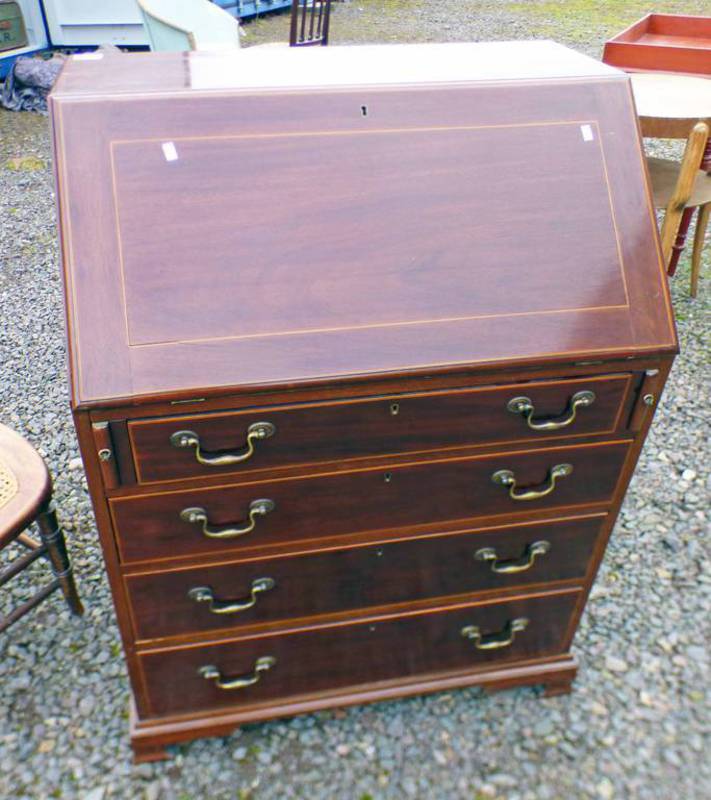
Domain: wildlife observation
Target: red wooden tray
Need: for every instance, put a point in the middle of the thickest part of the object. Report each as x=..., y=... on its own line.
x=663, y=43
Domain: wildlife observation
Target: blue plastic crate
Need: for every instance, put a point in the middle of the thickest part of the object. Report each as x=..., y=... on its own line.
x=251, y=8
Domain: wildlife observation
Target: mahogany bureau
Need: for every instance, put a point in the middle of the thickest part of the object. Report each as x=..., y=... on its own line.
x=364, y=344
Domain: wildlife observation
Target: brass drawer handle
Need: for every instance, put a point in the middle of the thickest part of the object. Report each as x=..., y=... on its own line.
x=506, y=477
x=493, y=641
x=513, y=565
x=211, y=673
x=198, y=516
x=255, y=432
x=523, y=405
x=203, y=594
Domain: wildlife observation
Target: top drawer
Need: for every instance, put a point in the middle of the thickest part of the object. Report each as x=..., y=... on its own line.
x=201, y=445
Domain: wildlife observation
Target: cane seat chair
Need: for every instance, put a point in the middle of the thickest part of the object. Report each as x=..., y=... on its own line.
x=26, y=497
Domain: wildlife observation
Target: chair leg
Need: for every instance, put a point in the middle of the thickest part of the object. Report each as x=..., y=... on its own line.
x=53, y=538
x=702, y=222
x=678, y=247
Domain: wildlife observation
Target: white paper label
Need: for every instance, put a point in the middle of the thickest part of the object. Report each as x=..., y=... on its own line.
x=88, y=56
x=587, y=132
x=169, y=151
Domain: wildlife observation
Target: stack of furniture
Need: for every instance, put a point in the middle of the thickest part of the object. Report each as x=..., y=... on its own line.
x=669, y=56
x=373, y=445
x=679, y=189
x=679, y=107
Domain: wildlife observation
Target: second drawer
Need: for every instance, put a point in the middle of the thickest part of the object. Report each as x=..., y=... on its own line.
x=216, y=520
x=197, y=599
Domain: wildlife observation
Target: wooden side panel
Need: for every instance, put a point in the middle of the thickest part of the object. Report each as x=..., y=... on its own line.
x=92, y=466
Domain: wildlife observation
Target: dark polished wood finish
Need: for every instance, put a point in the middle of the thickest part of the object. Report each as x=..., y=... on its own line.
x=331, y=658
x=312, y=433
x=266, y=307
x=150, y=526
x=380, y=574
x=482, y=232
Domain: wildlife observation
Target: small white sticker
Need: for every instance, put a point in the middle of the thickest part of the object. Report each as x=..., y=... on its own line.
x=169, y=151
x=587, y=132
x=88, y=56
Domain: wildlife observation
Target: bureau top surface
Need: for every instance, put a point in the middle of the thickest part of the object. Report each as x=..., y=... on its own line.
x=293, y=215
x=96, y=74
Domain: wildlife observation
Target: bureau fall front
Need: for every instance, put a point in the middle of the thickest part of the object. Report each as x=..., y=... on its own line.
x=364, y=344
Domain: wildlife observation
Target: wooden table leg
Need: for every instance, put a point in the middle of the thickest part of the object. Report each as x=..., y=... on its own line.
x=680, y=240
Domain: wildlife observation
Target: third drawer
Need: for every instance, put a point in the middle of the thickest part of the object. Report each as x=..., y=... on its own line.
x=193, y=600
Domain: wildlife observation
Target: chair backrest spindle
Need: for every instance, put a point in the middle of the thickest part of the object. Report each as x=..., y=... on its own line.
x=309, y=22
x=690, y=164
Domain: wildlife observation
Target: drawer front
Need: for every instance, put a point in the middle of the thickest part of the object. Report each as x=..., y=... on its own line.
x=159, y=526
x=354, y=655
x=354, y=429
x=193, y=600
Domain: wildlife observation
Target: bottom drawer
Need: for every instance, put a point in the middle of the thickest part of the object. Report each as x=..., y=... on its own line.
x=261, y=669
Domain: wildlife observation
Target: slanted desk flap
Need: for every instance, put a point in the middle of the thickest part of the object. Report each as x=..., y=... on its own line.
x=249, y=239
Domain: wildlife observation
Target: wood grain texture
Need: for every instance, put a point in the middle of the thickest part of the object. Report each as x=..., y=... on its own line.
x=357, y=578
x=332, y=658
x=356, y=429
x=151, y=738
x=381, y=323
x=150, y=527
x=428, y=157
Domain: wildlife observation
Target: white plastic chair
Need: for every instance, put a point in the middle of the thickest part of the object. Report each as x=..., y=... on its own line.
x=188, y=25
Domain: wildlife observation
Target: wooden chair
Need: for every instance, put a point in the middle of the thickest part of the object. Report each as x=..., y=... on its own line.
x=188, y=25
x=678, y=187
x=26, y=497
x=309, y=22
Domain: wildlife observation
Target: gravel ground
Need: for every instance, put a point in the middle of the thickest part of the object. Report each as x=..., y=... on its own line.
x=637, y=723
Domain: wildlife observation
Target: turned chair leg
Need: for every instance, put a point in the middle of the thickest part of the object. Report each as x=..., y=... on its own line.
x=702, y=222
x=53, y=539
x=680, y=241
